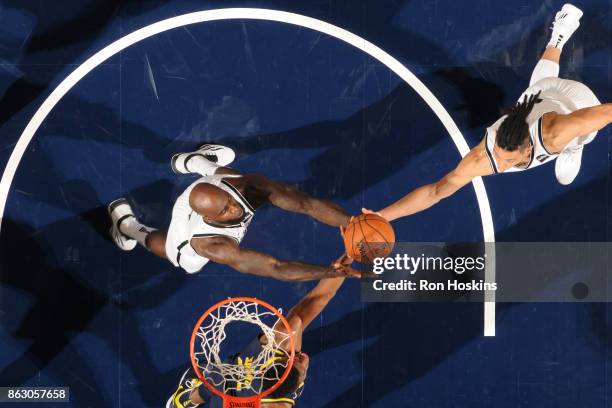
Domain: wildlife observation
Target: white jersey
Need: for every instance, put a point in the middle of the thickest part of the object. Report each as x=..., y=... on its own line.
x=187, y=224
x=558, y=95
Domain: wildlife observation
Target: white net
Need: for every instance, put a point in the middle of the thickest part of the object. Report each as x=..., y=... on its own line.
x=243, y=375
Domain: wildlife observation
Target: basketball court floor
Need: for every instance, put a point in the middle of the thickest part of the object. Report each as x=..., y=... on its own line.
x=310, y=108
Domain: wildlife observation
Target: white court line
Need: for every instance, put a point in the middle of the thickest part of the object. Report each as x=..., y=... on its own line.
x=269, y=15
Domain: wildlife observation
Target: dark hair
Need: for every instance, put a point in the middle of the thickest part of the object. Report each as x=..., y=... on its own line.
x=291, y=383
x=514, y=130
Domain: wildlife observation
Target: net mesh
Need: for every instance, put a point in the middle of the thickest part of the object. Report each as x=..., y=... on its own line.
x=245, y=375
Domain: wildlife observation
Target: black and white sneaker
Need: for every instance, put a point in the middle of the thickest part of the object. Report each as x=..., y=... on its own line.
x=218, y=154
x=182, y=396
x=119, y=211
x=567, y=21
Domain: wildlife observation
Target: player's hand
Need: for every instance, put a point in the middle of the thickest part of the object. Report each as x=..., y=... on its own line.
x=380, y=214
x=343, y=235
x=346, y=270
x=366, y=211
x=343, y=228
x=343, y=262
x=351, y=272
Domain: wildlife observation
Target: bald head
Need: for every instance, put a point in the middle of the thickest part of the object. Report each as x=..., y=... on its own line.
x=207, y=200
x=214, y=203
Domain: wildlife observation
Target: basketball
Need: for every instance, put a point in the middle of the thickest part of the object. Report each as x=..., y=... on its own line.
x=368, y=236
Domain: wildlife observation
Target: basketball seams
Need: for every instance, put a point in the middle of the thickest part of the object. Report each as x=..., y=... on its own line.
x=376, y=229
x=364, y=240
x=353, y=239
x=358, y=244
x=373, y=228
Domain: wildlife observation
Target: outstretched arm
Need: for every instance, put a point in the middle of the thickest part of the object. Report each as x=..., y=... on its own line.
x=471, y=166
x=226, y=251
x=311, y=305
x=565, y=128
x=289, y=198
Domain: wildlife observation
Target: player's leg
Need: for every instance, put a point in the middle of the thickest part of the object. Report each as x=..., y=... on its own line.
x=567, y=21
x=156, y=243
x=127, y=231
x=205, y=161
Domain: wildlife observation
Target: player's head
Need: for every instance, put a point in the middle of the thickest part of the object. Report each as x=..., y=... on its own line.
x=512, y=141
x=293, y=384
x=215, y=204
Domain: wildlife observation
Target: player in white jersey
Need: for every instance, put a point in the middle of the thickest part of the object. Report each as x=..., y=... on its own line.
x=554, y=119
x=211, y=216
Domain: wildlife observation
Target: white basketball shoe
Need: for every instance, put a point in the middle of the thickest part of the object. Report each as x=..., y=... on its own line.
x=119, y=211
x=218, y=155
x=567, y=21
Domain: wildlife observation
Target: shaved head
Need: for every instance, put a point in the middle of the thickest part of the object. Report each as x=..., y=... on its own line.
x=214, y=203
x=207, y=199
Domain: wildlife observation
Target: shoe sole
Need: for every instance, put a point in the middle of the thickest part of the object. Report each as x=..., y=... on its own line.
x=571, y=8
x=173, y=163
x=220, y=147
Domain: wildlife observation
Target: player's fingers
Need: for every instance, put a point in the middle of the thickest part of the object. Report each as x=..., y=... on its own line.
x=340, y=262
x=346, y=260
x=352, y=273
x=367, y=211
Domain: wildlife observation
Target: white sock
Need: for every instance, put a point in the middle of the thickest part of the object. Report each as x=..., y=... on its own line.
x=135, y=230
x=557, y=40
x=201, y=165
x=545, y=68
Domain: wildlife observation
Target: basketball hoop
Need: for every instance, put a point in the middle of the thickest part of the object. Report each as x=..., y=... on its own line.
x=242, y=383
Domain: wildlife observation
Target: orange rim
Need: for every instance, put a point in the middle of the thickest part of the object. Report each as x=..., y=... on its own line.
x=215, y=391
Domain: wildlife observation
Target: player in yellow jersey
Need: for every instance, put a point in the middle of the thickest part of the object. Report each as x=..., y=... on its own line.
x=191, y=393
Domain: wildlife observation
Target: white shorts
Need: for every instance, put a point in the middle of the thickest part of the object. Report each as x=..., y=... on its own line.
x=183, y=255
x=573, y=94
x=178, y=246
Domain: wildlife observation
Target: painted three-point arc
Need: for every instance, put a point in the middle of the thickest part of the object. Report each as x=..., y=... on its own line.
x=270, y=15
